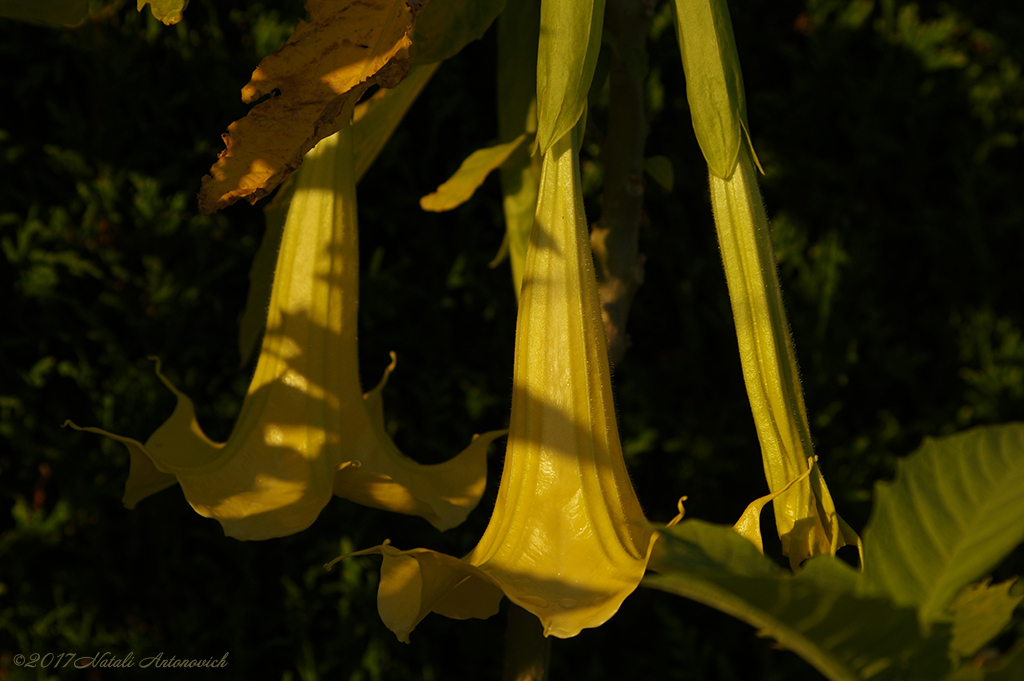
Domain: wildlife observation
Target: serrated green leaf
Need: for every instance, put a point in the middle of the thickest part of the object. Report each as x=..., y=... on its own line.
x=980, y=612
x=568, y=48
x=53, y=12
x=518, y=32
x=817, y=614
x=375, y=120
x=660, y=170
x=470, y=175
x=444, y=27
x=167, y=11
x=955, y=509
x=714, y=82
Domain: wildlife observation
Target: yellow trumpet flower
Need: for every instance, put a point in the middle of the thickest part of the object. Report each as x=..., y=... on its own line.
x=805, y=514
x=306, y=431
x=567, y=540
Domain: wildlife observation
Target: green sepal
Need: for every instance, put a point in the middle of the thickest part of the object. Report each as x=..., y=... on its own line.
x=714, y=81
x=568, y=48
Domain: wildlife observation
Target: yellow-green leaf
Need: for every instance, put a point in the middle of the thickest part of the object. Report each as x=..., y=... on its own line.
x=470, y=175
x=313, y=82
x=567, y=52
x=980, y=612
x=714, y=82
x=952, y=513
x=167, y=11
x=817, y=613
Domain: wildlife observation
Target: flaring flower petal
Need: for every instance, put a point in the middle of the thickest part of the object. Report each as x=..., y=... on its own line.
x=567, y=540
x=305, y=430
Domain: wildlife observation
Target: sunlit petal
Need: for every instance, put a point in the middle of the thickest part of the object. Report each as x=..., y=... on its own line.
x=305, y=431
x=567, y=540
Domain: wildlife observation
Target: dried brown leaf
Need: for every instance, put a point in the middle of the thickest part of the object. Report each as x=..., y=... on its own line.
x=313, y=82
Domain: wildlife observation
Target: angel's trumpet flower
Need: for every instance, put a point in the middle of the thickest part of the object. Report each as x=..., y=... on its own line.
x=567, y=540
x=306, y=431
x=805, y=515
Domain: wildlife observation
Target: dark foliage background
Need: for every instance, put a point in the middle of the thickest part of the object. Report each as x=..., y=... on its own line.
x=891, y=137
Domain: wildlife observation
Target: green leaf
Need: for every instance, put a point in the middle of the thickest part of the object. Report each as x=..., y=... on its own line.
x=518, y=33
x=660, y=170
x=955, y=509
x=167, y=11
x=817, y=614
x=980, y=612
x=375, y=120
x=55, y=12
x=444, y=27
x=567, y=52
x=470, y=175
x=714, y=82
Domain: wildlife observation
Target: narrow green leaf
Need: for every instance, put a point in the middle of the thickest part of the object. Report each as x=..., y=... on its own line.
x=817, y=614
x=167, y=11
x=568, y=48
x=980, y=612
x=470, y=175
x=955, y=509
x=444, y=27
x=518, y=33
x=375, y=120
x=660, y=170
x=714, y=82
x=53, y=12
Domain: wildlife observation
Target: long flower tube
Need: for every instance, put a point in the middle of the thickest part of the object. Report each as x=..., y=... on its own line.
x=305, y=431
x=805, y=514
x=567, y=540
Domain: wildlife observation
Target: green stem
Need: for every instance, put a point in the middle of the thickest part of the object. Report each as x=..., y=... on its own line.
x=527, y=650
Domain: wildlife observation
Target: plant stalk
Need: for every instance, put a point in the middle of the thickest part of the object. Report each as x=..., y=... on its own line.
x=614, y=239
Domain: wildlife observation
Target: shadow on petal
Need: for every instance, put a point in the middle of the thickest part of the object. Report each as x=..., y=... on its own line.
x=305, y=431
